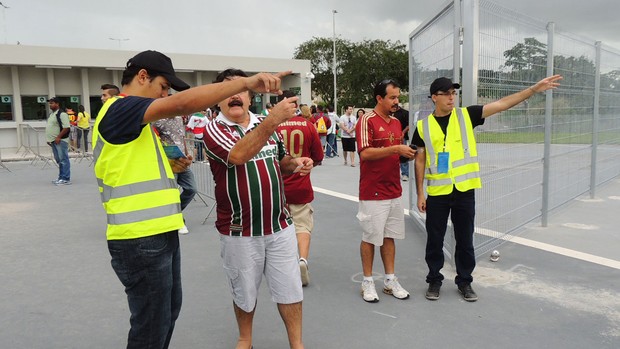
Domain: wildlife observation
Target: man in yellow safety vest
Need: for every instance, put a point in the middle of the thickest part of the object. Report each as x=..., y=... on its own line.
x=447, y=159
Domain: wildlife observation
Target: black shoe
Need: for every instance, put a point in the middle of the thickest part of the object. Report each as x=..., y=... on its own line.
x=432, y=294
x=468, y=293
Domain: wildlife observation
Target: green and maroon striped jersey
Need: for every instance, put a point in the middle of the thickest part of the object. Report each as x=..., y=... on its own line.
x=250, y=197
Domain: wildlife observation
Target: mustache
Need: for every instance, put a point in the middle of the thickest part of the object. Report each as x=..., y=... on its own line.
x=235, y=103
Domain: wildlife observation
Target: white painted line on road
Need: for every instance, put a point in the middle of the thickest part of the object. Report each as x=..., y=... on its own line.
x=336, y=194
x=388, y=315
x=554, y=249
x=611, y=263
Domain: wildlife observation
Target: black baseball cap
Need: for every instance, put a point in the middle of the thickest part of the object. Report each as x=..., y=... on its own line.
x=160, y=63
x=443, y=84
x=54, y=99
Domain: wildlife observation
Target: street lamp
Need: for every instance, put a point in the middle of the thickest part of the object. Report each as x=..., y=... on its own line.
x=334, y=65
x=119, y=40
x=4, y=7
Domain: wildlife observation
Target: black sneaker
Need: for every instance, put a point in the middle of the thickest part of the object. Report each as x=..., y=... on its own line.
x=432, y=294
x=468, y=293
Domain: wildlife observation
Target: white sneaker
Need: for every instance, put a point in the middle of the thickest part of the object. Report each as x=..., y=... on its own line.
x=184, y=230
x=369, y=293
x=303, y=268
x=63, y=182
x=394, y=288
x=405, y=178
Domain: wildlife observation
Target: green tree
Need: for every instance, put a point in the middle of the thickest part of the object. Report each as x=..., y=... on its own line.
x=527, y=61
x=370, y=62
x=320, y=52
x=359, y=66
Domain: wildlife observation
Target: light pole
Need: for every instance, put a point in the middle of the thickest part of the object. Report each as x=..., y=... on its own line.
x=119, y=41
x=334, y=64
x=4, y=7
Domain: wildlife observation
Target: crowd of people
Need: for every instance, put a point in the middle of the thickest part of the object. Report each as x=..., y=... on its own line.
x=262, y=165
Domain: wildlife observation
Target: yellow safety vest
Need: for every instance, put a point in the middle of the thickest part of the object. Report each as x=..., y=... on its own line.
x=463, y=169
x=138, y=189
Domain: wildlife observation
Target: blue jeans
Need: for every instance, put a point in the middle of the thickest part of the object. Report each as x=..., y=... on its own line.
x=186, y=181
x=332, y=150
x=461, y=207
x=150, y=270
x=61, y=155
x=82, y=133
x=404, y=168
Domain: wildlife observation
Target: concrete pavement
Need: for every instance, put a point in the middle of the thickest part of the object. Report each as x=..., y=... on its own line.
x=59, y=291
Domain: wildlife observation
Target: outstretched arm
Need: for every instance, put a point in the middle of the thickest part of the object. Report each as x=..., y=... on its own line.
x=550, y=82
x=202, y=97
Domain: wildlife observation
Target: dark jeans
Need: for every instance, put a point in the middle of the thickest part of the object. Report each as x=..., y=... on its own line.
x=331, y=150
x=150, y=270
x=199, y=149
x=82, y=133
x=186, y=181
x=461, y=207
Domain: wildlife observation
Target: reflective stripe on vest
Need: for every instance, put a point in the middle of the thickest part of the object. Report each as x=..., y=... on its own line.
x=462, y=172
x=144, y=199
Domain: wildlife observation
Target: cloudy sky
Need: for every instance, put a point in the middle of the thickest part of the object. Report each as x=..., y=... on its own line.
x=258, y=28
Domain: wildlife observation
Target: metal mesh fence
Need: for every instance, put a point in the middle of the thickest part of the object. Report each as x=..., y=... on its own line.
x=580, y=135
x=433, y=56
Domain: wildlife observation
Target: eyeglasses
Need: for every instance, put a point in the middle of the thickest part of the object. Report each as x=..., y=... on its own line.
x=387, y=82
x=453, y=93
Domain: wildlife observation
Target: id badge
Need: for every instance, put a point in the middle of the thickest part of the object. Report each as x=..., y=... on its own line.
x=442, y=162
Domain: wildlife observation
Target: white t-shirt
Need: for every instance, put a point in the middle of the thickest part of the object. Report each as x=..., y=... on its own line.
x=348, y=121
x=334, y=119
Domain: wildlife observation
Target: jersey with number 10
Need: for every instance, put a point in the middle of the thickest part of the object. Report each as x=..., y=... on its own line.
x=301, y=140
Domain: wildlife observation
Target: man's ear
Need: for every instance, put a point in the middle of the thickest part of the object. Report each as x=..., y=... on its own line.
x=143, y=76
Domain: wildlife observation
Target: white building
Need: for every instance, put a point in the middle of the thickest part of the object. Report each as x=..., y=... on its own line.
x=29, y=75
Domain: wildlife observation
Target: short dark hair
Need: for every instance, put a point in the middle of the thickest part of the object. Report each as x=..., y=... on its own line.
x=114, y=90
x=330, y=108
x=347, y=106
x=230, y=72
x=381, y=87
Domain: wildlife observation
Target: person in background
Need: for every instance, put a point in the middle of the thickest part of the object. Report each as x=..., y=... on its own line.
x=57, y=133
x=403, y=116
x=171, y=132
x=83, y=127
x=73, y=128
x=331, y=148
x=301, y=140
x=322, y=123
x=347, y=125
x=108, y=91
x=197, y=124
x=267, y=109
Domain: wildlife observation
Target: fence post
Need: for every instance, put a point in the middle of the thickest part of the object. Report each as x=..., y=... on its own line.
x=471, y=38
x=595, y=119
x=548, y=125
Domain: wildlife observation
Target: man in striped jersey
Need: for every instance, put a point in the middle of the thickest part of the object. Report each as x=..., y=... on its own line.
x=380, y=213
x=257, y=233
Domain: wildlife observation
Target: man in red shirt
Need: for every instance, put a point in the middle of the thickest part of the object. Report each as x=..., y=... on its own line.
x=301, y=140
x=380, y=210
x=322, y=123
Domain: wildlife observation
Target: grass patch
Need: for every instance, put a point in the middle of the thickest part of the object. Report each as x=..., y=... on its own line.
x=539, y=137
